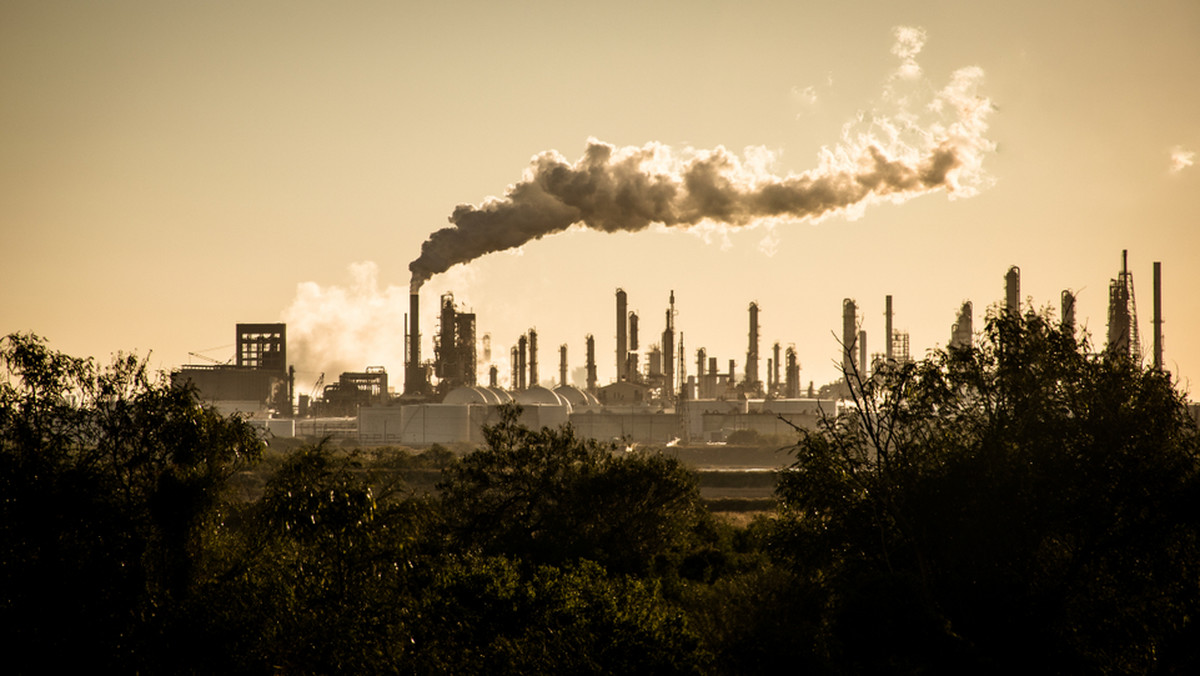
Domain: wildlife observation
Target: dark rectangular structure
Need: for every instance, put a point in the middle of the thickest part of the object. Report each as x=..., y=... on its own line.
x=262, y=346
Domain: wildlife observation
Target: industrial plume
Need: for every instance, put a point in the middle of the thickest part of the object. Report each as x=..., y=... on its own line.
x=613, y=189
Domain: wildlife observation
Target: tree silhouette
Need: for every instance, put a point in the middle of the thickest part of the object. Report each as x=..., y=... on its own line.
x=1019, y=503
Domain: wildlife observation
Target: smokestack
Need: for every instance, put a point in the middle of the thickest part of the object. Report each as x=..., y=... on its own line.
x=962, y=333
x=562, y=365
x=849, y=334
x=863, y=364
x=775, y=369
x=752, y=350
x=493, y=376
x=591, y=364
x=522, y=346
x=633, y=331
x=622, y=351
x=1068, y=313
x=700, y=379
x=515, y=361
x=1012, y=291
x=533, y=364
x=887, y=336
x=413, y=380
x=793, y=374
x=668, y=346
x=1158, y=337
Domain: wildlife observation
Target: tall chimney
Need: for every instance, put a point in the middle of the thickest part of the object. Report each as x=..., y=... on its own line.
x=622, y=350
x=522, y=346
x=849, y=334
x=591, y=364
x=752, y=350
x=1068, y=312
x=413, y=382
x=533, y=369
x=962, y=333
x=633, y=331
x=515, y=361
x=887, y=336
x=792, y=386
x=668, y=348
x=1158, y=337
x=562, y=365
x=1012, y=291
x=775, y=369
x=862, y=353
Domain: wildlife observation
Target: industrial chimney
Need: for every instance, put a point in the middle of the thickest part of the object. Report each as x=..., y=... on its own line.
x=591, y=364
x=1068, y=313
x=792, y=386
x=533, y=369
x=862, y=354
x=413, y=380
x=849, y=334
x=622, y=350
x=522, y=346
x=1158, y=337
x=562, y=365
x=1012, y=291
x=887, y=336
x=962, y=333
x=752, y=351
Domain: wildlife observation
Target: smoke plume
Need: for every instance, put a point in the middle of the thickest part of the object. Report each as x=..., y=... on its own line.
x=879, y=158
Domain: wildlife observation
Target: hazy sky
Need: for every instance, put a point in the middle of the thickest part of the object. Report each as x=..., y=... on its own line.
x=170, y=169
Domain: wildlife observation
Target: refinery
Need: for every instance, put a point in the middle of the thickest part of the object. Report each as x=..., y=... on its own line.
x=665, y=392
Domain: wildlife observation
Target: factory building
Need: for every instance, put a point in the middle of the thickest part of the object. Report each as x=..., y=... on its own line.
x=259, y=383
x=651, y=399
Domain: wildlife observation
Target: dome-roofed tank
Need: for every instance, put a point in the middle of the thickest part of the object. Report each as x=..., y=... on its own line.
x=466, y=395
x=501, y=395
x=540, y=395
x=573, y=395
x=491, y=397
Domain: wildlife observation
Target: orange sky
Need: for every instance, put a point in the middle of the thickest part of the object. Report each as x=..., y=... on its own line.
x=170, y=170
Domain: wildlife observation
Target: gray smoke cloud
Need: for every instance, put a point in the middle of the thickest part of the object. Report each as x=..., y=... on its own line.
x=613, y=189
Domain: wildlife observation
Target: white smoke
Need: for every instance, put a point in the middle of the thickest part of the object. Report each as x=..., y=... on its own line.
x=881, y=158
x=339, y=328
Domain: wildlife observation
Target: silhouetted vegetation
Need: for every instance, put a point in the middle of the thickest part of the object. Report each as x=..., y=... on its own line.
x=1019, y=505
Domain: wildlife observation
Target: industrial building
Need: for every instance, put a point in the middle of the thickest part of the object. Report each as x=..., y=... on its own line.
x=653, y=399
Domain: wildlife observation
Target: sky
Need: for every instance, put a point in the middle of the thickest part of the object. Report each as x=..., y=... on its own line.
x=171, y=169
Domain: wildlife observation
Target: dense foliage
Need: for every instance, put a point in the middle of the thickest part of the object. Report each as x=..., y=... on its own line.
x=1020, y=504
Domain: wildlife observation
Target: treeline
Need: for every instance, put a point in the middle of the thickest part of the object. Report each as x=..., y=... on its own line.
x=1020, y=505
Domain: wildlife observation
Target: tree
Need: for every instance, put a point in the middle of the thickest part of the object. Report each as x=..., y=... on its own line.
x=1023, y=502
x=550, y=498
x=110, y=481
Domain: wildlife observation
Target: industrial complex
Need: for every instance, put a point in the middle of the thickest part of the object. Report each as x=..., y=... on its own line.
x=662, y=394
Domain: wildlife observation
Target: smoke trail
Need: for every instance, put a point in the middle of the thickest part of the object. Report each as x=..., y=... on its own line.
x=627, y=189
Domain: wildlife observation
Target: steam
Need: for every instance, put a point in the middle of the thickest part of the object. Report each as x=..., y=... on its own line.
x=339, y=327
x=610, y=189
